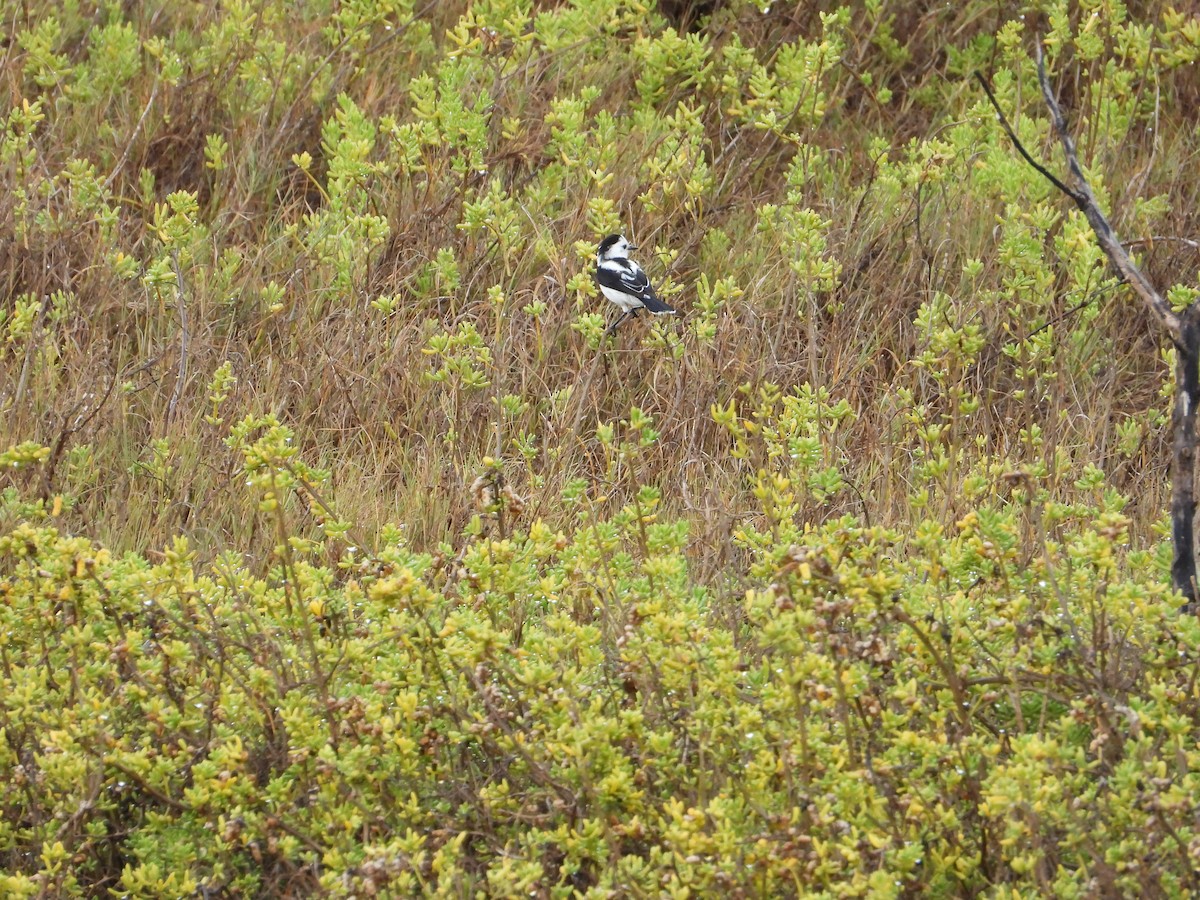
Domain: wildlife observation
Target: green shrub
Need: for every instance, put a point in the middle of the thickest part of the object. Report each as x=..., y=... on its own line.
x=871, y=714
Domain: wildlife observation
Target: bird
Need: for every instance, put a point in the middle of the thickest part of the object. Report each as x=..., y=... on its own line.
x=624, y=282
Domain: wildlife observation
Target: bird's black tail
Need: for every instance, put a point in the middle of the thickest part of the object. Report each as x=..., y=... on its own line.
x=658, y=307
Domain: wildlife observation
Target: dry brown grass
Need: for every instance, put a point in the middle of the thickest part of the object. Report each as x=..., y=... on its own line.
x=96, y=386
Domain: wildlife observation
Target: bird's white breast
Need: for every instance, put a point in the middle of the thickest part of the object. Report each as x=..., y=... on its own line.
x=623, y=300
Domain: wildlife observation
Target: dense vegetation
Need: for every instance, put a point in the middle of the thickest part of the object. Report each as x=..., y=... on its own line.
x=340, y=555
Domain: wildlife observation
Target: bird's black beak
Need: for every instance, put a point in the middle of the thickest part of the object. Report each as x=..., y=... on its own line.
x=633, y=246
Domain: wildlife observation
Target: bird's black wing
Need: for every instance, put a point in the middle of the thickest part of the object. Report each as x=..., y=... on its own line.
x=624, y=278
x=631, y=279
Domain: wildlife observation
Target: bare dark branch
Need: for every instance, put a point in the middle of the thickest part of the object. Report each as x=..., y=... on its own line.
x=1012, y=136
x=1086, y=200
x=1184, y=331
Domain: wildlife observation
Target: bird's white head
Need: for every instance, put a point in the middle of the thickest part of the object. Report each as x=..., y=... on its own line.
x=615, y=246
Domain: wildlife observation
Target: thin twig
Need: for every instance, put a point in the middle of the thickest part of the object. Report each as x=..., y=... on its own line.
x=137, y=130
x=32, y=346
x=81, y=421
x=1012, y=136
x=1086, y=301
x=181, y=372
x=1162, y=239
x=587, y=384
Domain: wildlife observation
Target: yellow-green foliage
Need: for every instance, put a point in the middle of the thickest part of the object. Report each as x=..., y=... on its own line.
x=338, y=555
x=877, y=714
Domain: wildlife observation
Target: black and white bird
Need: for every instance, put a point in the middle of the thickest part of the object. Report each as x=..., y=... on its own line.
x=624, y=282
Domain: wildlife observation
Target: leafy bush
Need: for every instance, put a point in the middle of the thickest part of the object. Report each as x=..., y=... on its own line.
x=878, y=714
